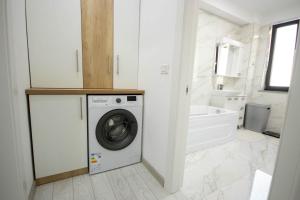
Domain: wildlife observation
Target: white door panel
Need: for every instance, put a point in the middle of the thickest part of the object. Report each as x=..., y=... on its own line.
x=59, y=133
x=54, y=42
x=126, y=43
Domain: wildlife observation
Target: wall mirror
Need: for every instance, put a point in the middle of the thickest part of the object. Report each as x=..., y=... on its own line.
x=228, y=58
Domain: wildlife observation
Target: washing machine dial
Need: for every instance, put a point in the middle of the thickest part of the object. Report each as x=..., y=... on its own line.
x=118, y=100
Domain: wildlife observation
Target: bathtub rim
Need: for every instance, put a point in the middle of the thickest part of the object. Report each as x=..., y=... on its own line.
x=226, y=111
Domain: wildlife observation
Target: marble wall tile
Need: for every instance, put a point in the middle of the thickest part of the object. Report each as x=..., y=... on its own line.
x=211, y=30
x=256, y=40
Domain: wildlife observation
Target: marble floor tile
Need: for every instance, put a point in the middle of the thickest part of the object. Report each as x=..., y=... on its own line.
x=226, y=172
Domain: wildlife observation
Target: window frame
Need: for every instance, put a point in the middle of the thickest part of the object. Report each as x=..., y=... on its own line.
x=268, y=87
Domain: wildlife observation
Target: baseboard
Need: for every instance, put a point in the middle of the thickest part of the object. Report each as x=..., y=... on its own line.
x=154, y=173
x=32, y=191
x=61, y=176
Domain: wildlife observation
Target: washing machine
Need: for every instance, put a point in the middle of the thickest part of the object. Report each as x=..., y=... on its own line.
x=114, y=131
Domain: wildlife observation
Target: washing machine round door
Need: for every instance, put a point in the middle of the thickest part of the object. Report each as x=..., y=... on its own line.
x=116, y=129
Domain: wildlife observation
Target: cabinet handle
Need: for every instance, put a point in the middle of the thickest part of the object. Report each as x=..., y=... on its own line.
x=77, y=60
x=81, y=109
x=242, y=108
x=118, y=64
x=236, y=98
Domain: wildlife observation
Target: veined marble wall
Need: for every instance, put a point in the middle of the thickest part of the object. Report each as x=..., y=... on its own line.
x=211, y=30
x=278, y=100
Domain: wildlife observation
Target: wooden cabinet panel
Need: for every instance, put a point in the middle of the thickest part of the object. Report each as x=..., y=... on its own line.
x=54, y=42
x=59, y=133
x=97, y=42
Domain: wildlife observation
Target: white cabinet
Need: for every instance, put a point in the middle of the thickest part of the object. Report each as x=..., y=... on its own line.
x=54, y=42
x=229, y=57
x=126, y=43
x=236, y=103
x=59, y=133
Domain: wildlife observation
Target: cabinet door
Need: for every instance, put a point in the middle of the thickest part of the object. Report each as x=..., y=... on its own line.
x=126, y=43
x=97, y=33
x=54, y=42
x=232, y=103
x=59, y=133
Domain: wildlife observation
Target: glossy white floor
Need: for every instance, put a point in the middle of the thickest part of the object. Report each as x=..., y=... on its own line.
x=223, y=172
x=226, y=172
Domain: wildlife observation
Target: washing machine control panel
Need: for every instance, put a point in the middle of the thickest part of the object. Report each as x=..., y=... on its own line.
x=100, y=100
x=130, y=100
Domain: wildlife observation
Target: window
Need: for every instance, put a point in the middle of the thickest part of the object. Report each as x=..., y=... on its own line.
x=281, y=58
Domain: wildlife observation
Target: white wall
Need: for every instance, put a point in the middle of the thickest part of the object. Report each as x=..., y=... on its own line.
x=180, y=96
x=233, y=11
x=11, y=176
x=19, y=74
x=157, y=47
x=255, y=11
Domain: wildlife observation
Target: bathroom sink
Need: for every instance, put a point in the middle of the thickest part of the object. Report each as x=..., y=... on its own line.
x=226, y=92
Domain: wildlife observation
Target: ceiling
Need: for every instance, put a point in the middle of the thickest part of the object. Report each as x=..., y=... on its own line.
x=254, y=11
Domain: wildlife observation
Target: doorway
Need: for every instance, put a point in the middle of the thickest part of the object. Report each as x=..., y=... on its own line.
x=254, y=36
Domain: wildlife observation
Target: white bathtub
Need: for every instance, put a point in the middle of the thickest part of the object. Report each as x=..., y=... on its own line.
x=210, y=126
